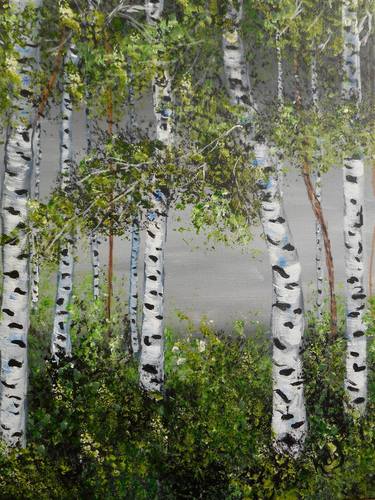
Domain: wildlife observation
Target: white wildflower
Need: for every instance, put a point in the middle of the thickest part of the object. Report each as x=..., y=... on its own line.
x=201, y=346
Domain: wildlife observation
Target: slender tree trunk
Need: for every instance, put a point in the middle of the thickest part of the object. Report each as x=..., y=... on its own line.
x=289, y=424
x=318, y=251
x=14, y=323
x=371, y=73
x=135, y=240
x=110, y=240
x=61, y=342
x=372, y=257
x=95, y=263
x=318, y=212
x=318, y=195
x=280, y=101
x=133, y=288
x=151, y=367
x=37, y=158
x=353, y=174
x=317, y=209
x=94, y=239
x=110, y=275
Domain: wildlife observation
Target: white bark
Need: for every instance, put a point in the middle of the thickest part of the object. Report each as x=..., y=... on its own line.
x=353, y=172
x=161, y=85
x=133, y=288
x=280, y=73
x=351, y=85
x=94, y=239
x=319, y=252
x=289, y=424
x=60, y=342
x=152, y=338
x=135, y=240
x=14, y=323
x=356, y=366
x=152, y=351
x=37, y=158
x=95, y=264
x=280, y=101
x=236, y=70
x=318, y=193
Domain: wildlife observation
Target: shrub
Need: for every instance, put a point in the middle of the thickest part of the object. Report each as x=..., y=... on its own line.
x=93, y=434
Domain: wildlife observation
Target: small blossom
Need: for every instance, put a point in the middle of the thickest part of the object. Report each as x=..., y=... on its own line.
x=201, y=346
x=180, y=361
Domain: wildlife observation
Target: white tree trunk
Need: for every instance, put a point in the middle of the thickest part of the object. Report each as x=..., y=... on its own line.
x=135, y=232
x=289, y=424
x=152, y=351
x=95, y=264
x=353, y=173
x=133, y=288
x=60, y=342
x=14, y=323
x=94, y=239
x=37, y=158
x=152, y=338
x=318, y=193
x=319, y=252
x=356, y=366
x=236, y=70
x=280, y=73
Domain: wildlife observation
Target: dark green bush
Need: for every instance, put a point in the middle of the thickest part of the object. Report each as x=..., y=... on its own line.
x=93, y=434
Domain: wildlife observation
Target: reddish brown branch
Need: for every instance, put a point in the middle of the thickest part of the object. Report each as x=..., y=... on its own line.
x=52, y=80
x=318, y=212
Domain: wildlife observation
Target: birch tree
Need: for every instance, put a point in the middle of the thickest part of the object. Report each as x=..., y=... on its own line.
x=135, y=236
x=14, y=323
x=60, y=341
x=94, y=239
x=37, y=158
x=353, y=177
x=289, y=424
x=318, y=193
x=152, y=341
x=133, y=286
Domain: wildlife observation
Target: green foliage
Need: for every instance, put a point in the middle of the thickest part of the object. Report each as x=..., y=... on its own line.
x=93, y=434
x=14, y=29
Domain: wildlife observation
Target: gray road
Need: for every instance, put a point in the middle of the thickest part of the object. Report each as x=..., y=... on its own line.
x=226, y=283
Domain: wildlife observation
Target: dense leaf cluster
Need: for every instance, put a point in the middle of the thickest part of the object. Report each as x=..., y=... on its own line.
x=94, y=434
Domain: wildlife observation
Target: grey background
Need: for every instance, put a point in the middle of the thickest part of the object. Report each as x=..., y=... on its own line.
x=224, y=284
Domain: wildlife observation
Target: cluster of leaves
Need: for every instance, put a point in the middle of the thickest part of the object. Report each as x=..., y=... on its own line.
x=322, y=140
x=13, y=31
x=94, y=434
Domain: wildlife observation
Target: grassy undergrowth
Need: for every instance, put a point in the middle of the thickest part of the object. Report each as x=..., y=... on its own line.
x=93, y=434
